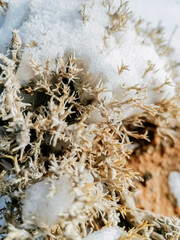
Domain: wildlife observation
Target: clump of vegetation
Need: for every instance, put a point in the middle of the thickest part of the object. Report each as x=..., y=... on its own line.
x=46, y=137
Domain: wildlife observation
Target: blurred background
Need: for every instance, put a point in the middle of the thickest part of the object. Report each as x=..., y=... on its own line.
x=163, y=12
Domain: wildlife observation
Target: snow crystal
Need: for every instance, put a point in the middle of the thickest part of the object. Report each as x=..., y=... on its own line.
x=113, y=233
x=174, y=184
x=46, y=200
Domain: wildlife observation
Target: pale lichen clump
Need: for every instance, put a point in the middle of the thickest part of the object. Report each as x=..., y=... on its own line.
x=65, y=140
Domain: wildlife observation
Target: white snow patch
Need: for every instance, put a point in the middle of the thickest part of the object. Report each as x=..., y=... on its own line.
x=165, y=12
x=64, y=32
x=46, y=200
x=113, y=233
x=25, y=71
x=58, y=29
x=174, y=184
x=16, y=14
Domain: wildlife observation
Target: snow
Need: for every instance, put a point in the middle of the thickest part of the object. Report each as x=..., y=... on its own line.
x=2, y=206
x=65, y=33
x=152, y=11
x=46, y=200
x=174, y=184
x=165, y=12
x=58, y=29
x=16, y=14
x=113, y=233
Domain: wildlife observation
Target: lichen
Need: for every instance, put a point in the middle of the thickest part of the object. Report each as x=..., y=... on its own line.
x=49, y=134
